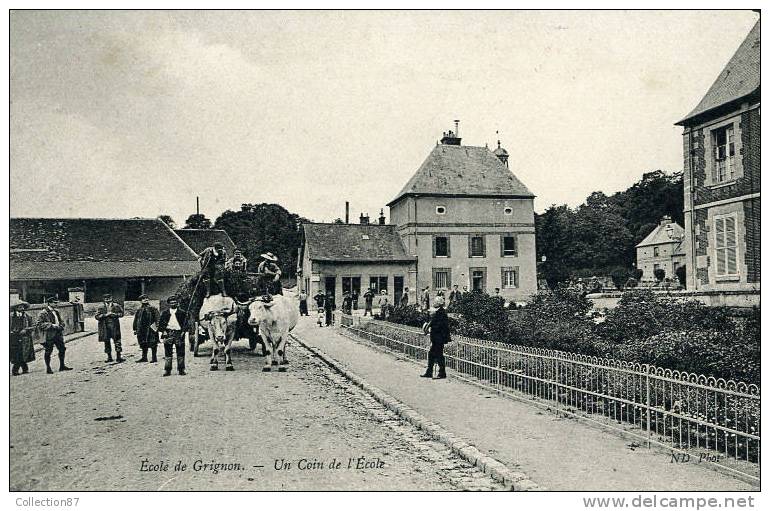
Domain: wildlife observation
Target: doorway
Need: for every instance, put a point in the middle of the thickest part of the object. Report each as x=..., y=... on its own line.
x=330, y=284
x=478, y=279
x=398, y=287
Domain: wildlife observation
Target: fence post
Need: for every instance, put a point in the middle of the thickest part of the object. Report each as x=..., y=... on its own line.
x=647, y=403
x=556, y=382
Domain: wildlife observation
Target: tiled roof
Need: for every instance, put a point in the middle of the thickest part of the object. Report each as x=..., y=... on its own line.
x=62, y=248
x=739, y=78
x=371, y=243
x=463, y=170
x=666, y=233
x=199, y=239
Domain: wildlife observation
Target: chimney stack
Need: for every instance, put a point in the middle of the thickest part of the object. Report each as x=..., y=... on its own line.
x=452, y=137
x=347, y=212
x=364, y=219
x=665, y=220
x=382, y=217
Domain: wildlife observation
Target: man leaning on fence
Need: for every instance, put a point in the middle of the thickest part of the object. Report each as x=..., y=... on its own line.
x=438, y=327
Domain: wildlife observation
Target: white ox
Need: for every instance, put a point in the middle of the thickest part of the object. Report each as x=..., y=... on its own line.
x=218, y=316
x=275, y=319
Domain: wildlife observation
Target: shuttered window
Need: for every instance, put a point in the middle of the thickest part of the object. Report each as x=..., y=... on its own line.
x=477, y=246
x=441, y=246
x=724, y=154
x=442, y=278
x=508, y=245
x=726, y=245
x=509, y=277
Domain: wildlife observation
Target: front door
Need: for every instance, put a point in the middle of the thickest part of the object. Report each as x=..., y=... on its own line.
x=478, y=279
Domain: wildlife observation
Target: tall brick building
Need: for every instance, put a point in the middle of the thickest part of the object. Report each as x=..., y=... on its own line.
x=722, y=177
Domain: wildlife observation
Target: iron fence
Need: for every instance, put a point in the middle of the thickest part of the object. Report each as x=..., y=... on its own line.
x=709, y=419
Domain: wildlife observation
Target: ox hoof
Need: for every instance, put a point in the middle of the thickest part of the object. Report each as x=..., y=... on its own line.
x=266, y=369
x=229, y=368
x=282, y=369
x=213, y=368
x=273, y=363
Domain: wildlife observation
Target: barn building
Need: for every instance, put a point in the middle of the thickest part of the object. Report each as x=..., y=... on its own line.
x=200, y=239
x=92, y=256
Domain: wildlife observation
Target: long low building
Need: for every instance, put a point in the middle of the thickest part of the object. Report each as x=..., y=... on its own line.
x=90, y=256
x=338, y=258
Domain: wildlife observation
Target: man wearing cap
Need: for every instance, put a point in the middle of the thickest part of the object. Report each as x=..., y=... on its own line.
x=212, y=261
x=108, y=316
x=172, y=326
x=22, y=348
x=49, y=321
x=146, y=328
x=368, y=300
x=270, y=274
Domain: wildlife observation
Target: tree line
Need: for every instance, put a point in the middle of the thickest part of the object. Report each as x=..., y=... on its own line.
x=599, y=237
x=255, y=229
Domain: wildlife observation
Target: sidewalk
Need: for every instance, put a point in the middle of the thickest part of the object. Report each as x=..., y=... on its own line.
x=558, y=453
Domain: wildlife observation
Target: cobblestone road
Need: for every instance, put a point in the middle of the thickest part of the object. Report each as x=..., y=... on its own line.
x=91, y=429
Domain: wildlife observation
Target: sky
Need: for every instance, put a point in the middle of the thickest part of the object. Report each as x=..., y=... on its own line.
x=134, y=114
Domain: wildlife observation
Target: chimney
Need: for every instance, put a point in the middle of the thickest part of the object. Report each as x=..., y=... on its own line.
x=347, y=212
x=364, y=219
x=665, y=220
x=452, y=137
x=382, y=217
x=197, y=205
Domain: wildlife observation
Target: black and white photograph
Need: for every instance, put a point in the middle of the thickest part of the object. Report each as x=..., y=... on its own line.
x=385, y=251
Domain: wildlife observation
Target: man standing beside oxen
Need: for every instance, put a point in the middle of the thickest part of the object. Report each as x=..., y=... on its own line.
x=172, y=325
x=108, y=316
x=146, y=329
x=50, y=322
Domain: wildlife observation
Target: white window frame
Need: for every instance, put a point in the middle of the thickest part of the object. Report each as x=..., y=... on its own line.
x=514, y=271
x=717, y=248
x=709, y=139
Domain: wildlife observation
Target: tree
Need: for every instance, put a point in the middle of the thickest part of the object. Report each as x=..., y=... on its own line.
x=338, y=221
x=166, y=219
x=259, y=228
x=197, y=221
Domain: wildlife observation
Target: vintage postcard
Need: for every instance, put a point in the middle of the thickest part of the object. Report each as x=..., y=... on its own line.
x=394, y=250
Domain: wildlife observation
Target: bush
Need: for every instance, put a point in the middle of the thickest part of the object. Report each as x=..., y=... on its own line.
x=409, y=315
x=619, y=276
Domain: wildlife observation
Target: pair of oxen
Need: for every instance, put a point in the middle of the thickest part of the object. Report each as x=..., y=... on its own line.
x=271, y=317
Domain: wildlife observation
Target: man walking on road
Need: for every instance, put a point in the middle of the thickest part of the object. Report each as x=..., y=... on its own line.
x=49, y=321
x=171, y=325
x=438, y=327
x=20, y=340
x=146, y=329
x=108, y=315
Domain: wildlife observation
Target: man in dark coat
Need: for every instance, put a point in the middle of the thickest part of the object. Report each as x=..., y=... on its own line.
x=320, y=300
x=329, y=307
x=49, y=322
x=303, y=303
x=108, y=315
x=212, y=261
x=172, y=325
x=146, y=329
x=269, y=274
x=354, y=298
x=22, y=347
x=404, y=301
x=454, y=295
x=346, y=301
x=439, y=336
x=368, y=301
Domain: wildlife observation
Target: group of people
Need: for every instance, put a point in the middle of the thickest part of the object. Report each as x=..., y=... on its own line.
x=215, y=264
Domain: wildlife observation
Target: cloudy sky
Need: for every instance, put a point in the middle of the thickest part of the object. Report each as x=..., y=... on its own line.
x=135, y=113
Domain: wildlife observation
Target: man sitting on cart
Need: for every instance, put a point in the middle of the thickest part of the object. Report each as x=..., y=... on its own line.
x=269, y=274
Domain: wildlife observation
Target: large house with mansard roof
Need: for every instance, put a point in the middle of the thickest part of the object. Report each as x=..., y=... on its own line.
x=462, y=219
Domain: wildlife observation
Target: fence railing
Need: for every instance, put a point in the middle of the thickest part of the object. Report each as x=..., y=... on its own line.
x=709, y=419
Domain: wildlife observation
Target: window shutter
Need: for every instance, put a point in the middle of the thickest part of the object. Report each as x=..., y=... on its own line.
x=719, y=225
x=434, y=246
x=448, y=246
x=470, y=245
x=483, y=246
x=502, y=245
x=516, y=276
x=515, y=245
x=449, y=278
x=502, y=277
